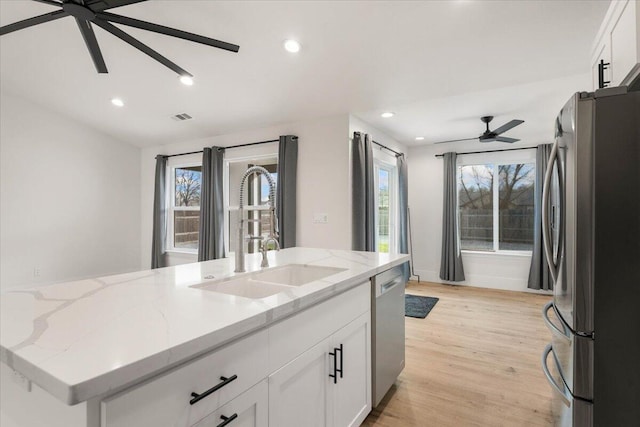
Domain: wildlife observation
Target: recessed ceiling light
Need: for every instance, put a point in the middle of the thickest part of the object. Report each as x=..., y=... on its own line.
x=186, y=80
x=419, y=138
x=117, y=102
x=292, y=46
x=387, y=114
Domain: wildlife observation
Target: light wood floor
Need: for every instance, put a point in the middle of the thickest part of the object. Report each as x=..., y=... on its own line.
x=473, y=361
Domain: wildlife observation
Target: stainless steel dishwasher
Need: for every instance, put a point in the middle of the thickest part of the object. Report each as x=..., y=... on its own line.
x=387, y=332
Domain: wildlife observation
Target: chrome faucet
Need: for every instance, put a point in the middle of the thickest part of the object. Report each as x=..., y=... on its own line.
x=273, y=234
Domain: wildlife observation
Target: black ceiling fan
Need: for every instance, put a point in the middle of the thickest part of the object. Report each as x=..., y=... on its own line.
x=491, y=135
x=87, y=12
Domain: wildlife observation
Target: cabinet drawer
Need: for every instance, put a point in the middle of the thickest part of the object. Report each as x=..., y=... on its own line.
x=250, y=409
x=291, y=337
x=165, y=400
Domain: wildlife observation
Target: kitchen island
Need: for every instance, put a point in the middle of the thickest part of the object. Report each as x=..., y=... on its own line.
x=113, y=351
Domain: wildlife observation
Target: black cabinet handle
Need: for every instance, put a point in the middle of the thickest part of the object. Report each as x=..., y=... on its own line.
x=341, y=365
x=336, y=370
x=601, y=67
x=335, y=367
x=226, y=420
x=224, y=381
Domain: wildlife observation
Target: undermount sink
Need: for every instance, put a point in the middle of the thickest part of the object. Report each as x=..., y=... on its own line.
x=243, y=287
x=296, y=274
x=269, y=282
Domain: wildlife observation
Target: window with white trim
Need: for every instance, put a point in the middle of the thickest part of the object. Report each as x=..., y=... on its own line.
x=496, y=201
x=185, y=184
x=386, y=201
x=256, y=192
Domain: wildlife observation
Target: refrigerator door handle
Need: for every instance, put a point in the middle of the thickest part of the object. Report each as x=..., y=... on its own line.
x=552, y=326
x=560, y=390
x=546, y=229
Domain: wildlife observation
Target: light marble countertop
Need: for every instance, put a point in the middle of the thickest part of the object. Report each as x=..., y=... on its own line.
x=84, y=339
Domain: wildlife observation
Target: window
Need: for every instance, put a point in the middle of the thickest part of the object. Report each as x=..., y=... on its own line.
x=516, y=202
x=496, y=201
x=475, y=202
x=256, y=194
x=185, y=185
x=184, y=210
x=385, y=177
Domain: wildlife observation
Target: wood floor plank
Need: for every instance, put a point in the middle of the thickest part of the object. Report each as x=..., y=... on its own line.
x=473, y=361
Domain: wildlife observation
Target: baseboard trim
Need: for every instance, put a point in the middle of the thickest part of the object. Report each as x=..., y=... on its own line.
x=482, y=281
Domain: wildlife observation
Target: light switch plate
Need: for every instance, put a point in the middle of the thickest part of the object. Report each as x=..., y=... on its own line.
x=320, y=218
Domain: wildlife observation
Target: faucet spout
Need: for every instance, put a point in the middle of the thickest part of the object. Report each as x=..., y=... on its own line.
x=265, y=248
x=274, y=232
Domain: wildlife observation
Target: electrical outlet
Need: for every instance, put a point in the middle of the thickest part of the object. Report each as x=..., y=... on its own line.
x=320, y=218
x=36, y=271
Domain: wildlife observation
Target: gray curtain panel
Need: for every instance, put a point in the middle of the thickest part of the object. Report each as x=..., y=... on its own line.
x=451, y=262
x=362, y=194
x=403, y=207
x=211, y=235
x=286, y=189
x=159, y=214
x=539, y=275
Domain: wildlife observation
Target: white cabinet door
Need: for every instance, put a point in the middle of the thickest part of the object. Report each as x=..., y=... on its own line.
x=352, y=393
x=603, y=52
x=304, y=393
x=299, y=392
x=618, y=44
x=624, y=52
x=250, y=409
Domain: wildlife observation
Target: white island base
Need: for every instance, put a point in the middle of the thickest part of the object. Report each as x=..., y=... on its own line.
x=308, y=365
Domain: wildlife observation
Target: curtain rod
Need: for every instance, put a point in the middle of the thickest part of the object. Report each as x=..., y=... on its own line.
x=387, y=148
x=491, y=151
x=226, y=148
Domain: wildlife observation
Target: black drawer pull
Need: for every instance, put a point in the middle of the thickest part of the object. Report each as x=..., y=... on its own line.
x=336, y=370
x=335, y=367
x=198, y=397
x=226, y=420
x=341, y=365
x=601, y=67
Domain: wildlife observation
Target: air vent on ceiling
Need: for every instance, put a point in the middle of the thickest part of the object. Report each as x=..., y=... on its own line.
x=181, y=117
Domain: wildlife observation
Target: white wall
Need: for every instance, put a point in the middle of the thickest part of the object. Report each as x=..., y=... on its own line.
x=323, y=177
x=498, y=271
x=69, y=198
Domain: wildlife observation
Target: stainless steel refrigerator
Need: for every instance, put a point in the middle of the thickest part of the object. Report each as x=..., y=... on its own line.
x=591, y=235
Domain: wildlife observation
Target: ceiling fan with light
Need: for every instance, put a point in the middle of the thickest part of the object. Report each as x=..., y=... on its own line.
x=87, y=12
x=491, y=135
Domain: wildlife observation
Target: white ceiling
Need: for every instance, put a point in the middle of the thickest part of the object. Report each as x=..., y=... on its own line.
x=458, y=116
x=416, y=58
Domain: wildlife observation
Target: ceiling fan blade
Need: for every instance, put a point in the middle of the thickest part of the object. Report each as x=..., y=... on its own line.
x=505, y=139
x=40, y=19
x=100, y=5
x=505, y=127
x=140, y=46
x=161, y=29
x=92, y=44
x=50, y=2
x=456, y=140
